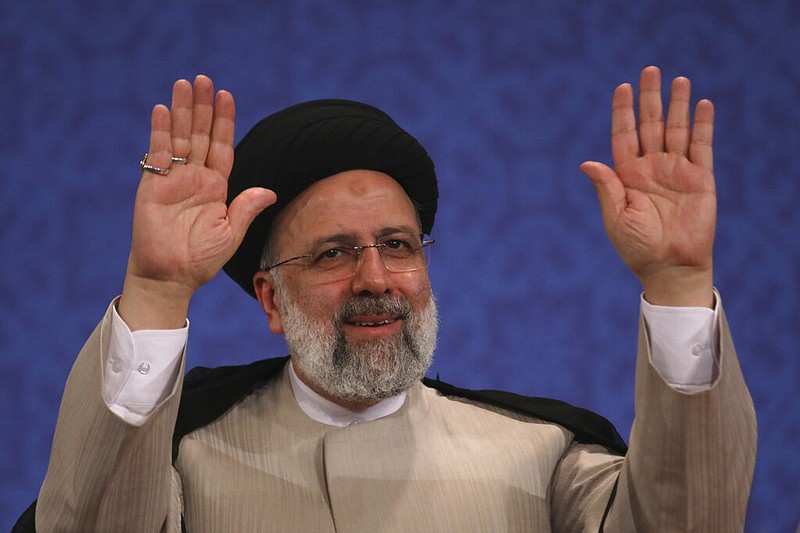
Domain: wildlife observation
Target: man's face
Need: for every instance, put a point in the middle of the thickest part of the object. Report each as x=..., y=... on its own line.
x=368, y=335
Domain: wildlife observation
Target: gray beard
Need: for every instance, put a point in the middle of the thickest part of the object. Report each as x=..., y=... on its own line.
x=372, y=369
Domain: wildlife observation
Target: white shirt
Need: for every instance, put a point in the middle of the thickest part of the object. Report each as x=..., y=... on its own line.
x=142, y=366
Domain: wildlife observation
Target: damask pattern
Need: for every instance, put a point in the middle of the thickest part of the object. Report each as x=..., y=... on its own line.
x=509, y=97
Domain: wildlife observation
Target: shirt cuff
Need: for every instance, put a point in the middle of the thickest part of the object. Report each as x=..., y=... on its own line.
x=683, y=344
x=141, y=368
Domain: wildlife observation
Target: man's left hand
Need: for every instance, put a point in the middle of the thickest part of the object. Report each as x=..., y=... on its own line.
x=659, y=201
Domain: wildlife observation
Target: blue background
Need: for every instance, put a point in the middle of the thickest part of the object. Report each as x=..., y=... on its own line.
x=509, y=97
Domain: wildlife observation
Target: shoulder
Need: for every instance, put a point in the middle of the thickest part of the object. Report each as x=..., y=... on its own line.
x=587, y=426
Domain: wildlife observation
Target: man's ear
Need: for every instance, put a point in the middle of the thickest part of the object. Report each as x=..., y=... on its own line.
x=264, y=287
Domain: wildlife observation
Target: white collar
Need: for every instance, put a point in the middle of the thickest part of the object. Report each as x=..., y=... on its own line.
x=325, y=411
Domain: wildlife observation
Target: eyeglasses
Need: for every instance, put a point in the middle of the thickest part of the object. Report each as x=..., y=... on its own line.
x=398, y=252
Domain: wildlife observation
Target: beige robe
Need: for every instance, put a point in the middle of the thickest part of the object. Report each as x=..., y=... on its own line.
x=437, y=465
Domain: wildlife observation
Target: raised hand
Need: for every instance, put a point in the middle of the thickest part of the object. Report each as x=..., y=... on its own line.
x=183, y=231
x=659, y=202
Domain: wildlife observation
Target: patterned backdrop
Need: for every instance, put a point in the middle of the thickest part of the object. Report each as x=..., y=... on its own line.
x=508, y=96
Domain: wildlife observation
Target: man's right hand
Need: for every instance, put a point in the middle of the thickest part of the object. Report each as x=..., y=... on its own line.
x=183, y=231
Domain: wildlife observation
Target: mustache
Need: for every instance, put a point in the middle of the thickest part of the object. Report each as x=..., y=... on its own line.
x=373, y=305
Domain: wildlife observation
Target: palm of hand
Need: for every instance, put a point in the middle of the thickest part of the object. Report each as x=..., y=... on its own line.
x=665, y=214
x=181, y=227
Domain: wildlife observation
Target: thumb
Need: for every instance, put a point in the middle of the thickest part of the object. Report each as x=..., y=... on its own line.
x=247, y=205
x=609, y=188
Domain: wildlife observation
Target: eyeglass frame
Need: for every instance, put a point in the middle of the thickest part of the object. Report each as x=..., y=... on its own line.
x=425, y=243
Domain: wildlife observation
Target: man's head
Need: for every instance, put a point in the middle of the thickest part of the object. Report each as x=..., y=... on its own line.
x=300, y=145
x=355, y=194
x=358, y=331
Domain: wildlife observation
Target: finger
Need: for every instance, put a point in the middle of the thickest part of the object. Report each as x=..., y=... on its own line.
x=160, y=149
x=700, y=147
x=678, y=131
x=609, y=188
x=181, y=115
x=624, y=139
x=651, y=114
x=202, y=114
x=246, y=207
x=220, y=152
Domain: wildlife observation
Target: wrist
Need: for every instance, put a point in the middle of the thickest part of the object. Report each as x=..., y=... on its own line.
x=153, y=304
x=680, y=287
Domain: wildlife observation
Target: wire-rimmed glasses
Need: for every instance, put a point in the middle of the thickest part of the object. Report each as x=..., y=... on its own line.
x=400, y=252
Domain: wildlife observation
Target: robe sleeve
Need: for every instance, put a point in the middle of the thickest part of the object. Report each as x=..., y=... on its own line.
x=104, y=473
x=690, y=464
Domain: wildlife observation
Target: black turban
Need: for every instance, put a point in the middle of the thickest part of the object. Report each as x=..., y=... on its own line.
x=292, y=149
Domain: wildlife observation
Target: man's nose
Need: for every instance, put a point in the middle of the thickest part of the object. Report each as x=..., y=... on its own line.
x=371, y=276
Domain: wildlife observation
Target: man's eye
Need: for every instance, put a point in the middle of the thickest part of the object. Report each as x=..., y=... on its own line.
x=331, y=253
x=397, y=244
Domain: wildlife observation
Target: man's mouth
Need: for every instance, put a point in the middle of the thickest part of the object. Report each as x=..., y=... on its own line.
x=374, y=318
x=371, y=322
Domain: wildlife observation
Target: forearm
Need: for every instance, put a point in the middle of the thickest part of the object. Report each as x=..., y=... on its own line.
x=683, y=344
x=692, y=456
x=105, y=474
x=141, y=368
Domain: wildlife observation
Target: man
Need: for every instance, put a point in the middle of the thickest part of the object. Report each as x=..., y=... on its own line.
x=345, y=437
